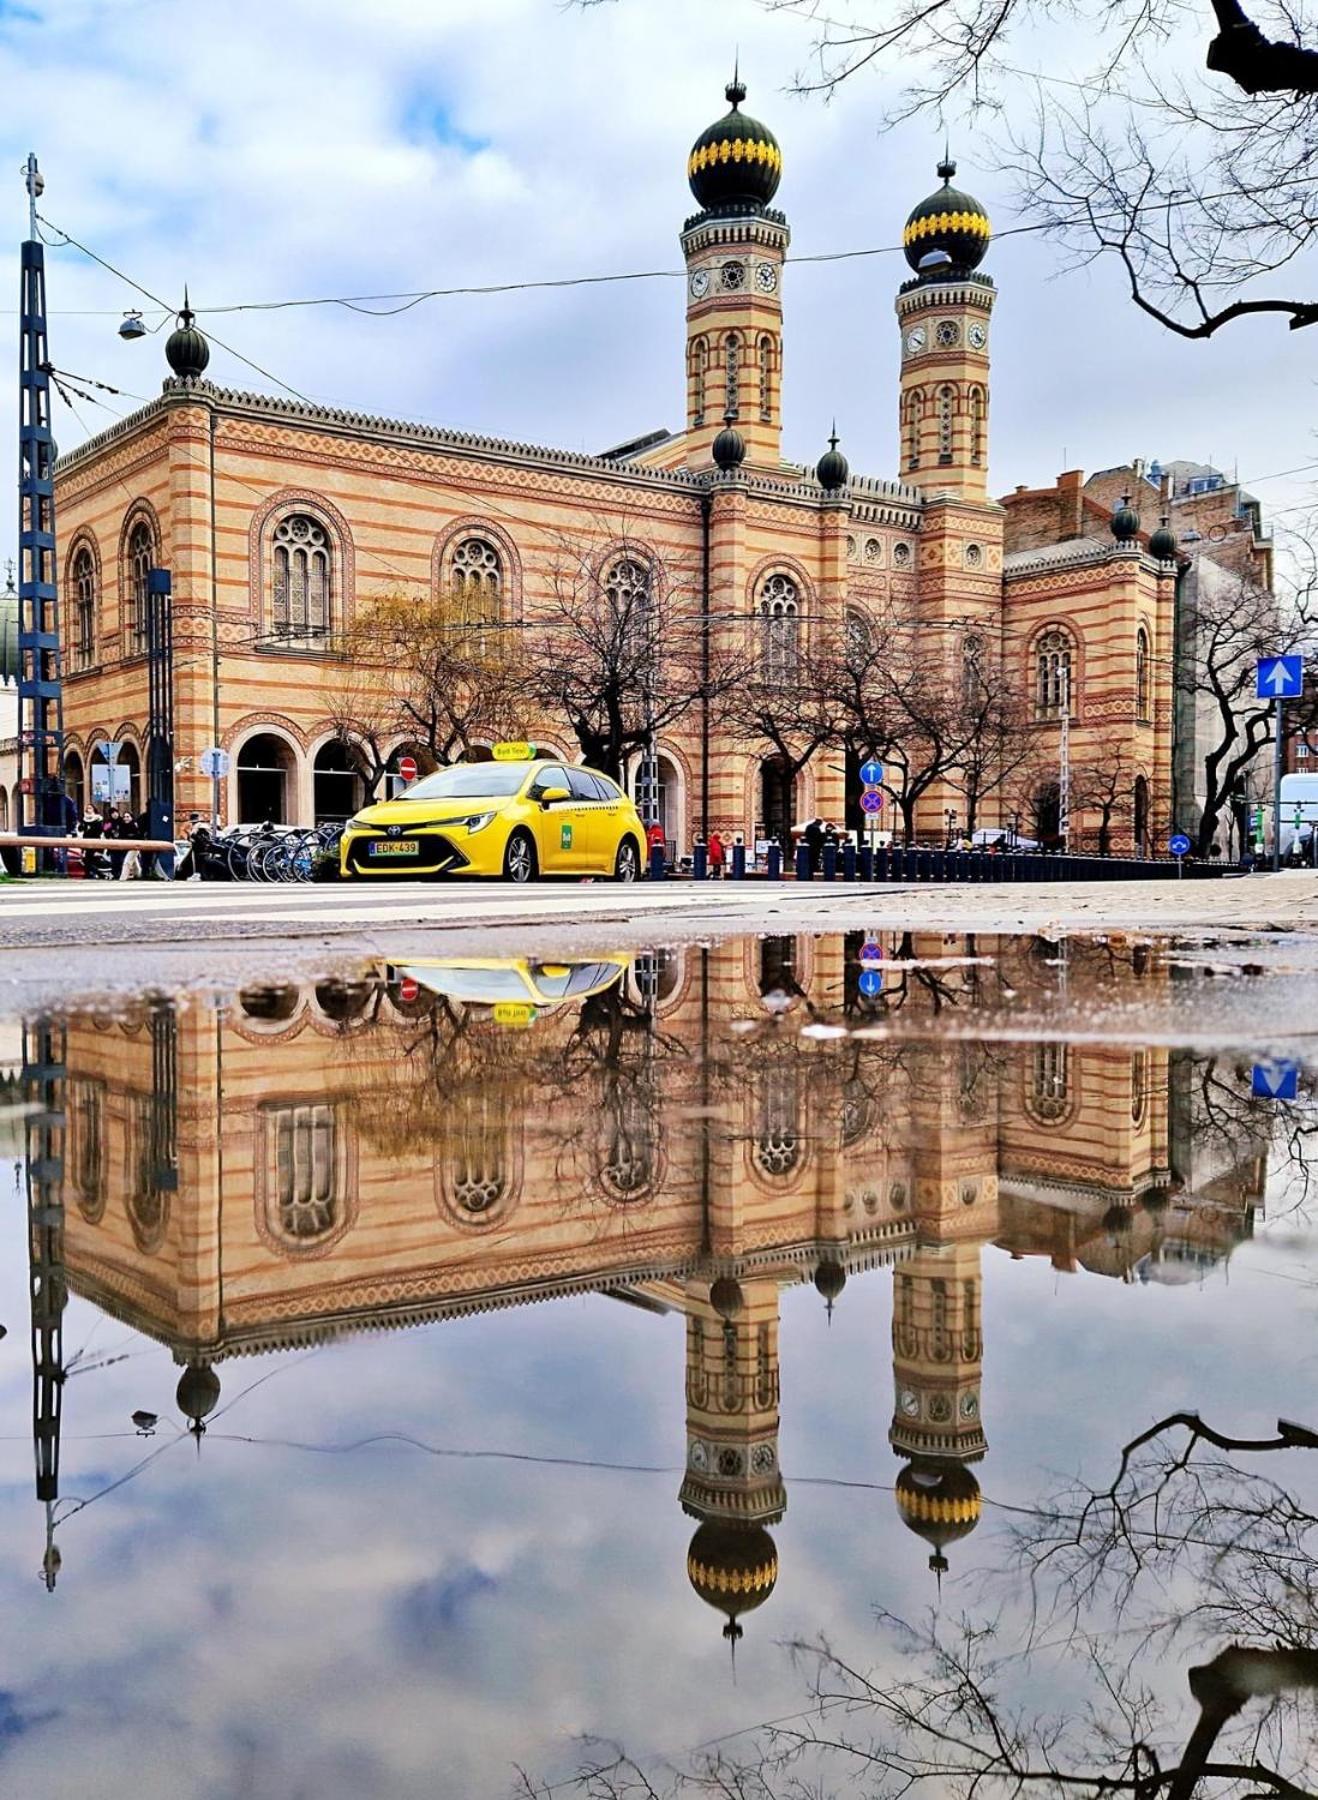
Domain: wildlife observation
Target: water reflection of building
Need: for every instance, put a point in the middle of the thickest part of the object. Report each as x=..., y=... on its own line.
x=329, y=1159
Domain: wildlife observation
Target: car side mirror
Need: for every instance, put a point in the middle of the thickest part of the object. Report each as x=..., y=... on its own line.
x=550, y=795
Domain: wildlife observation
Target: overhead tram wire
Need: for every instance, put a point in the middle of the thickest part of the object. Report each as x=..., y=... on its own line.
x=413, y=297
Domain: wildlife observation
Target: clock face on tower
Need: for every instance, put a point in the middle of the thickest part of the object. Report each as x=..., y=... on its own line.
x=916, y=339
x=978, y=337
x=699, y=283
x=766, y=277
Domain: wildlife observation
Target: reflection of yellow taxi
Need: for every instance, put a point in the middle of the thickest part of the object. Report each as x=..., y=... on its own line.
x=516, y=989
x=515, y=819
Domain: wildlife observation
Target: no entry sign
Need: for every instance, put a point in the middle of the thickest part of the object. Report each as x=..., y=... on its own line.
x=407, y=768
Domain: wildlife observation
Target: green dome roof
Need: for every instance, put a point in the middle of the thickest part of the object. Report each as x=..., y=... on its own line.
x=8, y=636
x=948, y=221
x=735, y=161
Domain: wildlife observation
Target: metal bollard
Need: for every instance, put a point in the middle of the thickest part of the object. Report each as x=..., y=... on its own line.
x=848, y=861
x=938, y=865
x=896, y=862
x=882, y=863
x=828, y=862
x=658, y=862
x=865, y=862
x=805, y=868
x=700, y=862
x=773, y=862
x=739, y=862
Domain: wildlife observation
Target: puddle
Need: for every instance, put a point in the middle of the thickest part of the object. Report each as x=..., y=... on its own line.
x=489, y=1365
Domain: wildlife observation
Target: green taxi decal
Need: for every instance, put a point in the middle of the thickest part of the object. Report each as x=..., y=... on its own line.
x=565, y=838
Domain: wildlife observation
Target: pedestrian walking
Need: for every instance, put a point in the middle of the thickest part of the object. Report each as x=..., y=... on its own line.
x=716, y=855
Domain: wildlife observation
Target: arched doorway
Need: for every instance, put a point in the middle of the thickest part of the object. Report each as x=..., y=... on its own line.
x=265, y=780
x=1141, y=816
x=336, y=783
x=1048, y=815
x=777, y=798
x=127, y=793
x=74, y=785
x=668, y=797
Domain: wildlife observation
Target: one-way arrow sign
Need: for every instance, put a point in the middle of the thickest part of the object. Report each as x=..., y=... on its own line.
x=1275, y=1081
x=1279, y=677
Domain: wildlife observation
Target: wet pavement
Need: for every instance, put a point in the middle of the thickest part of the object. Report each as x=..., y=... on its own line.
x=715, y=1370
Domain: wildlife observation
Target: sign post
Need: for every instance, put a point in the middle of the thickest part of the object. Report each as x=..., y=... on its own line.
x=1278, y=678
x=1179, y=845
x=871, y=800
x=215, y=763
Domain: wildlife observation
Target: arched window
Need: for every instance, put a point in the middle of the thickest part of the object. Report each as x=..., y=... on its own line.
x=779, y=612
x=973, y=686
x=82, y=595
x=1049, y=1097
x=1140, y=1062
x=946, y=408
x=699, y=379
x=476, y=580
x=306, y=1187
x=86, y=1156
x=859, y=638
x=627, y=1145
x=914, y=413
x=1052, y=667
x=732, y=368
x=766, y=379
x=778, y=1125
x=301, y=598
x=1141, y=674
x=478, y=1164
x=977, y=426
x=140, y=556
x=627, y=591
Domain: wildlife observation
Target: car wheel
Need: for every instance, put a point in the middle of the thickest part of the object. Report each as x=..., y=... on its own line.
x=519, y=859
x=628, y=865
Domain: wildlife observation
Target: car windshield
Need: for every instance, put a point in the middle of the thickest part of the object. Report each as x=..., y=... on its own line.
x=471, y=781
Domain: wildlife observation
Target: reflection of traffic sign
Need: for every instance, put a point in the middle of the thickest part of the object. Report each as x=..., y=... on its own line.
x=1179, y=845
x=1275, y=1081
x=407, y=768
x=215, y=762
x=1279, y=677
x=408, y=989
x=870, y=952
x=870, y=983
x=870, y=802
x=871, y=773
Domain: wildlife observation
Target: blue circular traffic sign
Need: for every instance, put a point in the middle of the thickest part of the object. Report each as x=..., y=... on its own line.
x=870, y=983
x=871, y=772
x=870, y=802
x=1179, y=845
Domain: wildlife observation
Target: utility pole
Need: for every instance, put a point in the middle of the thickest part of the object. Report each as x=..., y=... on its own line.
x=1064, y=772
x=40, y=694
x=43, y=1088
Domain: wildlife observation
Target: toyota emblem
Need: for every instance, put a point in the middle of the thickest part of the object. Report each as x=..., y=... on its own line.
x=395, y=831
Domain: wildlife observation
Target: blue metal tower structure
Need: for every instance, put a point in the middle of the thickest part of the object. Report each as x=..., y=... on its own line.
x=40, y=697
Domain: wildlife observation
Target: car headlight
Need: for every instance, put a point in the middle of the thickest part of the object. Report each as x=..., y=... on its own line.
x=357, y=824
x=478, y=821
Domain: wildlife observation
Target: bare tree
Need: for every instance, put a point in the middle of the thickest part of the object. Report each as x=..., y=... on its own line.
x=1103, y=783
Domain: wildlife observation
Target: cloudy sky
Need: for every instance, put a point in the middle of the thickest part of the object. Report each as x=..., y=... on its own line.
x=316, y=147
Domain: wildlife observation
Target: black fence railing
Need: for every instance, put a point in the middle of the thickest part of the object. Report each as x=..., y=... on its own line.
x=914, y=864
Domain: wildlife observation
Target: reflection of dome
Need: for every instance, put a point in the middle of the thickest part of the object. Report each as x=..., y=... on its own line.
x=735, y=161
x=830, y=1279
x=726, y=1297
x=940, y=1502
x=197, y=1393
x=948, y=224
x=732, y=1567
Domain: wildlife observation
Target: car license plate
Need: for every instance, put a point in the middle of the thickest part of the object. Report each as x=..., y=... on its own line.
x=404, y=847
x=514, y=1012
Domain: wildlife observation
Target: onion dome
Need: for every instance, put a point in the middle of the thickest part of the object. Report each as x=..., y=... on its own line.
x=1162, y=542
x=186, y=349
x=1116, y=1221
x=948, y=224
x=197, y=1393
x=832, y=471
x=830, y=1279
x=736, y=161
x=732, y=1567
x=727, y=1298
x=940, y=1502
x=1125, y=522
x=8, y=635
x=729, y=447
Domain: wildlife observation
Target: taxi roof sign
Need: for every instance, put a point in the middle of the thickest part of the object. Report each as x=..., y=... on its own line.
x=514, y=752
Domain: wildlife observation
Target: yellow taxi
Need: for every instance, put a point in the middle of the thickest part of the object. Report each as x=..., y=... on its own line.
x=515, y=990
x=516, y=818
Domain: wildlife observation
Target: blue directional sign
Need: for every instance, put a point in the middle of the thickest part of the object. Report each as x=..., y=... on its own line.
x=870, y=952
x=1275, y=1081
x=870, y=983
x=870, y=802
x=871, y=772
x=1179, y=844
x=1279, y=677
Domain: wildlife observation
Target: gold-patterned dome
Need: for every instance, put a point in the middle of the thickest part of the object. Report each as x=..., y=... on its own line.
x=736, y=160
x=949, y=226
x=733, y=1568
x=940, y=1502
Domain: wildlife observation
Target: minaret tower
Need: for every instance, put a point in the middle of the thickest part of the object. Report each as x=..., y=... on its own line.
x=734, y=249
x=943, y=314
